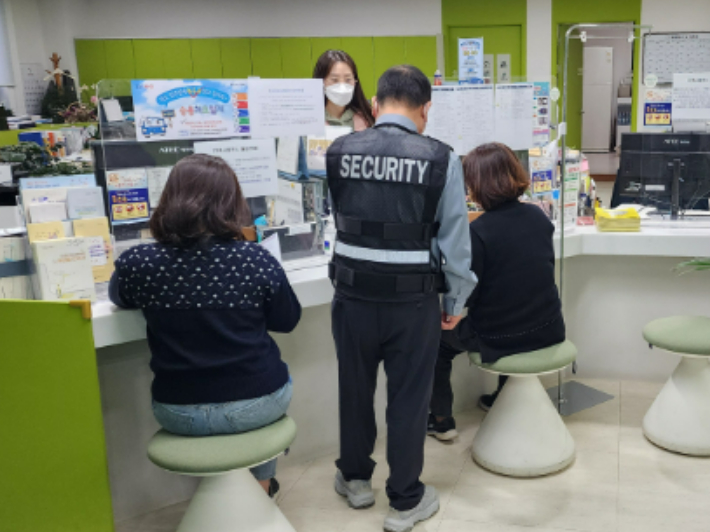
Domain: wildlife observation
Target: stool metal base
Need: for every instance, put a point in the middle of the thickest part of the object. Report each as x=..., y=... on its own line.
x=576, y=397
x=233, y=502
x=679, y=418
x=523, y=435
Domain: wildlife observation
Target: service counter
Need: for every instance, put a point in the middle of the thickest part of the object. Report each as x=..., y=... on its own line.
x=612, y=285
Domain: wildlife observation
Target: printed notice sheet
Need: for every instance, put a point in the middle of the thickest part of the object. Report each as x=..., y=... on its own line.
x=514, y=115
x=287, y=107
x=462, y=116
x=691, y=96
x=254, y=162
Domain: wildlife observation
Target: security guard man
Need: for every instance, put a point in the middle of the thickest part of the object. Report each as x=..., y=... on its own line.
x=402, y=238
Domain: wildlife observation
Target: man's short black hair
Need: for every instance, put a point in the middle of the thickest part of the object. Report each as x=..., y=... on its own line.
x=404, y=84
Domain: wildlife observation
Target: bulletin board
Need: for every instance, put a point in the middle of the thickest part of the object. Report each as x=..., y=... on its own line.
x=665, y=54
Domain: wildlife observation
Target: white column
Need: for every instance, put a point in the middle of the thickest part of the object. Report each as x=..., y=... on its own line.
x=539, y=40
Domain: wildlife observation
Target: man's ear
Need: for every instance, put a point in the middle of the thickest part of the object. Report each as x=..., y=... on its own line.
x=375, y=107
x=425, y=111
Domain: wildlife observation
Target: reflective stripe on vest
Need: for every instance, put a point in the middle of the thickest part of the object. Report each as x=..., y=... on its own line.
x=383, y=256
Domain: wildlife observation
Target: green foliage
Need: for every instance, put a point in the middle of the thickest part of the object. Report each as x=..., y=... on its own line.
x=56, y=100
x=37, y=161
x=695, y=265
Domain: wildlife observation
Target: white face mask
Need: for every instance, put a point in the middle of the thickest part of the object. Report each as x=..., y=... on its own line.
x=340, y=94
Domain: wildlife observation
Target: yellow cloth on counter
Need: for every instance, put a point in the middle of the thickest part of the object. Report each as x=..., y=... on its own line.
x=617, y=220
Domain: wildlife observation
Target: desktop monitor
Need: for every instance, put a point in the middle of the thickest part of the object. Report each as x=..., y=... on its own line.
x=668, y=171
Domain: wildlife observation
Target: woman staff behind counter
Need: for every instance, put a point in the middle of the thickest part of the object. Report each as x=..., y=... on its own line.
x=345, y=102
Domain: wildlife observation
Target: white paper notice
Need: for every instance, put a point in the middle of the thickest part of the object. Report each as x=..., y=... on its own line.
x=97, y=250
x=112, y=110
x=287, y=155
x=254, y=162
x=691, y=97
x=514, y=115
x=503, y=68
x=286, y=107
x=272, y=245
x=476, y=117
x=443, y=115
x=157, y=179
x=462, y=116
x=288, y=208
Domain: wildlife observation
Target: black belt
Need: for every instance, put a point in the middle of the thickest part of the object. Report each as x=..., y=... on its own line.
x=386, y=230
x=387, y=284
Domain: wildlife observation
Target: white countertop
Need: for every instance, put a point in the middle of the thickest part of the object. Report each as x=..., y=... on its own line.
x=309, y=277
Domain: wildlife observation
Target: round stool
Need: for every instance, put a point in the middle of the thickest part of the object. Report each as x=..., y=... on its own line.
x=679, y=418
x=523, y=435
x=229, y=499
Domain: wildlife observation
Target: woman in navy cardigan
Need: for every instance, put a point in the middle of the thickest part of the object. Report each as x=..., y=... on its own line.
x=210, y=299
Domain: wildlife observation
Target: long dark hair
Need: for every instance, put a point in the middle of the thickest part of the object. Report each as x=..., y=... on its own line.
x=202, y=199
x=494, y=175
x=359, y=104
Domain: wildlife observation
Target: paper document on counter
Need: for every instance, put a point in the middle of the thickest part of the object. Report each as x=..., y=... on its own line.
x=273, y=246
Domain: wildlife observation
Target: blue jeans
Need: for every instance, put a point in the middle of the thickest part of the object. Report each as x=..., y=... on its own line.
x=227, y=418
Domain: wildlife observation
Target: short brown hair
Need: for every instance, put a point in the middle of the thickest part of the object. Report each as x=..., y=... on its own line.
x=494, y=175
x=202, y=199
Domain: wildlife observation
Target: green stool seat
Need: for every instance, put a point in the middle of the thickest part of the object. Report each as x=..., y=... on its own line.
x=195, y=455
x=545, y=360
x=680, y=334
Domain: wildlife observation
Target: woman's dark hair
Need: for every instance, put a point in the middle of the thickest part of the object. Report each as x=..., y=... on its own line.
x=405, y=85
x=494, y=175
x=359, y=104
x=202, y=199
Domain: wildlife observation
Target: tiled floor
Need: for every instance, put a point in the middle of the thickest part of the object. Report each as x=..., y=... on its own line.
x=619, y=482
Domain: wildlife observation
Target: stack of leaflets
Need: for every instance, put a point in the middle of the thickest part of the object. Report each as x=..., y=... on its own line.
x=618, y=220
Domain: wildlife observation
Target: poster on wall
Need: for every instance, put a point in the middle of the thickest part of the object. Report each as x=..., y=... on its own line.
x=541, y=113
x=471, y=60
x=128, y=195
x=658, y=109
x=171, y=109
x=254, y=162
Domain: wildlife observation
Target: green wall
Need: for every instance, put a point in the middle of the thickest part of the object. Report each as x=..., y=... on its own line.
x=484, y=13
x=568, y=12
x=53, y=468
x=99, y=59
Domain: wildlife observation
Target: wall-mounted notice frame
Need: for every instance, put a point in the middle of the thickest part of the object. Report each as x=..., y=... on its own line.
x=665, y=54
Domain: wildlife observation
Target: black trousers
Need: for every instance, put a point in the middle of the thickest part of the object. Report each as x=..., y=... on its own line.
x=405, y=336
x=452, y=344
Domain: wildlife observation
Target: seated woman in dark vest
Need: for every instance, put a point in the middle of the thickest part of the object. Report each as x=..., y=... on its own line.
x=515, y=307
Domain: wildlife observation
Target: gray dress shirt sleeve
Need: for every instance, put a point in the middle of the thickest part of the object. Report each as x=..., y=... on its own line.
x=454, y=242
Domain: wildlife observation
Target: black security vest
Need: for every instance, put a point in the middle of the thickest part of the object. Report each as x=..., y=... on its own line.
x=385, y=184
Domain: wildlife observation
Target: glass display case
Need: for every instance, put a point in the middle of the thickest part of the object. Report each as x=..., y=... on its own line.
x=133, y=163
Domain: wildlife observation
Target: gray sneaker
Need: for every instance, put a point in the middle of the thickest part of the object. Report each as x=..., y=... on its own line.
x=397, y=521
x=358, y=492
